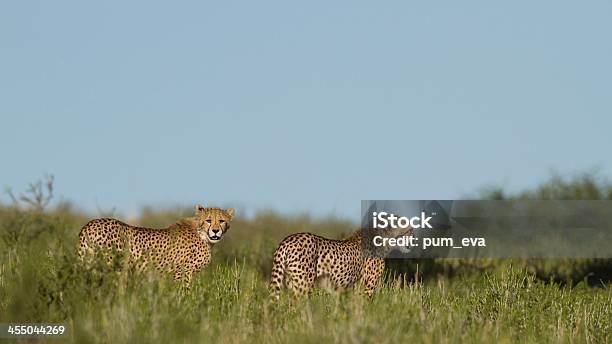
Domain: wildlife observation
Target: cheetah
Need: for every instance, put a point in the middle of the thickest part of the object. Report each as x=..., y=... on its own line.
x=183, y=248
x=305, y=258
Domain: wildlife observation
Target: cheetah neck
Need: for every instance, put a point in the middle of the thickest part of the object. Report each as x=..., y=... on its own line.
x=190, y=224
x=361, y=240
x=355, y=237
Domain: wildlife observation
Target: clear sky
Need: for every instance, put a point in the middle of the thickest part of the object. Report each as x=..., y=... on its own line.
x=304, y=106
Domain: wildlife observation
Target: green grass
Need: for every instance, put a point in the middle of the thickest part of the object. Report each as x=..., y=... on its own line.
x=452, y=301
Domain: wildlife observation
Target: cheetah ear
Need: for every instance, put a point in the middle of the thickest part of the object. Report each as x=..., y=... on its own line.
x=199, y=208
x=230, y=212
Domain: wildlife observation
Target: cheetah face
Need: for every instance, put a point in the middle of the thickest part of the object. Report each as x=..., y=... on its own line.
x=405, y=249
x=397, y=233
x=213, y=223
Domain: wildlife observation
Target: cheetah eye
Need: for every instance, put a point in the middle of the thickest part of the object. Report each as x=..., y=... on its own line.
x=221, y=221
x=208, y=221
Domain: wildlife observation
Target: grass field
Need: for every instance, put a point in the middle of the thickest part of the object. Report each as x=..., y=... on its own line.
x=430, y=301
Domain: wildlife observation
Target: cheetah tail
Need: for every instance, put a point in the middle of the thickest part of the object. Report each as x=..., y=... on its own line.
x=278, y=272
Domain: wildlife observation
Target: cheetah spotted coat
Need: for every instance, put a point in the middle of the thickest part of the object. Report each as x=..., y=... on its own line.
x=304, y=258
x=183, y=248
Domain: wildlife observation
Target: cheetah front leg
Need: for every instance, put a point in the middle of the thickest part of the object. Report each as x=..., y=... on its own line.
x=187, y=280
x=371, y=274
x=183, y=277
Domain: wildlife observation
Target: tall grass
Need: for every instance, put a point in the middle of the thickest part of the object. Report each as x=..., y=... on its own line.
x=431, y=301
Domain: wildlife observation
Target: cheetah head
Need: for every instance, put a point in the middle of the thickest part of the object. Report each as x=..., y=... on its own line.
x=397, y=233
x=213, y=223
x=387, y=233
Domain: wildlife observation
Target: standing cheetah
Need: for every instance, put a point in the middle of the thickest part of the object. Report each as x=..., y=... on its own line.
x=305, y=258
x=183, y=248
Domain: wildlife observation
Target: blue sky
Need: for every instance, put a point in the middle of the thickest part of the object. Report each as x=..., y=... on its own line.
x=300, y=106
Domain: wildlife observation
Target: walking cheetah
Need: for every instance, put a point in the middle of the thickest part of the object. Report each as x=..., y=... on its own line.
x=305, y=258
x=183, y=248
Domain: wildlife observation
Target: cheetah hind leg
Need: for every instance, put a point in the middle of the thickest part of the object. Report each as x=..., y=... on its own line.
x=325, y=282
x=85, y=251
x=301, y=280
